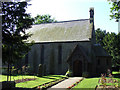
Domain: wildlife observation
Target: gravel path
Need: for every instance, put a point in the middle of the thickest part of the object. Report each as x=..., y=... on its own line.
x=66, y=83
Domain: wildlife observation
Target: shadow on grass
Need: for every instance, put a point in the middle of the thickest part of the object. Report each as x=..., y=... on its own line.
x=19, y=75
x=16, y=88
x=116, y=75
x=49, y=78
x=53, y=76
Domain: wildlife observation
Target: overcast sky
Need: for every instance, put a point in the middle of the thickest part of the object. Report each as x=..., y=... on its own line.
x=63, y=10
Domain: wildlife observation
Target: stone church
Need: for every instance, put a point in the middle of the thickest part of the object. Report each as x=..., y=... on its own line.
x=67, y=45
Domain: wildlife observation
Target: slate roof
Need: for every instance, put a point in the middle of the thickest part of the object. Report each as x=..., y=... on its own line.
x=75, y=30
x=99, y=51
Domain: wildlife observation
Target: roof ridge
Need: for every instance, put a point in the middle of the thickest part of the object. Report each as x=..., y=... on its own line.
x=64, y=21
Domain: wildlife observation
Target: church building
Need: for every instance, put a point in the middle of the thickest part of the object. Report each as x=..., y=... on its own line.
x=67, y=45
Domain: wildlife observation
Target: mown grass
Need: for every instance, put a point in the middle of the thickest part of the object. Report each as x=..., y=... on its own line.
x=91, y=83
x=88, y=83
x=115, y=72
x=33, y=83
x=4, y=77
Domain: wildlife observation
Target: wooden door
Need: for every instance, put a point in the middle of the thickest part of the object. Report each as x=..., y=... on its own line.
x=77, y=68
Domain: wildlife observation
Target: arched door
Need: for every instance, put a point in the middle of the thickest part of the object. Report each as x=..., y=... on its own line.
x=77, y=68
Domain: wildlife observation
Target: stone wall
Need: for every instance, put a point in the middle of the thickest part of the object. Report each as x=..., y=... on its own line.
x=103, y=64
x=51, y=55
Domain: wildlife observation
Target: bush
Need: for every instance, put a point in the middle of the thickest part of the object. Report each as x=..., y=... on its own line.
x=40, y=70
x=85, y=74
x=68, y=73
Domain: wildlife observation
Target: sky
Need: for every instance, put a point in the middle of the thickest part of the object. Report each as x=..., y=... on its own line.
x=64, y=10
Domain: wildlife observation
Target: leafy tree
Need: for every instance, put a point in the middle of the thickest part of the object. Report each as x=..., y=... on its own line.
x=110, y=42
x=43, y=19
x=115, y=14
x=100, y=36
x=109, y=45
x=14, y=38
x=115, y=9
x=117, y=50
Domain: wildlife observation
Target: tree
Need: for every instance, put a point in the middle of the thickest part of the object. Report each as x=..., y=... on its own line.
x=117, y=49
x=43, y=19
x=109, y=45
x=14, y=38
x=100, y=36
x=115, y=9
x=110, y=42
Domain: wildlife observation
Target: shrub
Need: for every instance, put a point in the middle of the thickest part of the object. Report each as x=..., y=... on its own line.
x=85, y=74
x=27, y=70
x=119, y=83
x=103, y=80
x=23, y=69
x=40, y=70
x=68, y=73
x=19, y=71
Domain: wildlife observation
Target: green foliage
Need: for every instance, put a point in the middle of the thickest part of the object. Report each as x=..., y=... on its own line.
x=100, y=36
x=43, y=19
x=28, y=70
x=68, y=73
x=14, y=23
x=14, y=38
x=111, y=43
x=103, y=80
x=13, y=70
x=85, y=74
x=40, y=70
x=108, y=81
x=115, y=10
x=115, y=72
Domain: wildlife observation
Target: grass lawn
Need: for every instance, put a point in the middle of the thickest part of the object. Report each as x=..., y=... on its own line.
x=115, y=72
x=4, y=77
x=88, y=83
x=92, y=82
x=34, y=83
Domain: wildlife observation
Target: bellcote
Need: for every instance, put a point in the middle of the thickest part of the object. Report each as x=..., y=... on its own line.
x=91, y=14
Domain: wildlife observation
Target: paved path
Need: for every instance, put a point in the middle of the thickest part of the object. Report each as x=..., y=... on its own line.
x=66, y=83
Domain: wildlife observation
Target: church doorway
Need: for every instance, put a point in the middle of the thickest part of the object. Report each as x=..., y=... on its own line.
x=77, y=68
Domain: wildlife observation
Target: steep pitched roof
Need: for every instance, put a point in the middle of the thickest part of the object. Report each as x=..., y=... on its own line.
x=75, y=30
x=77, y=49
